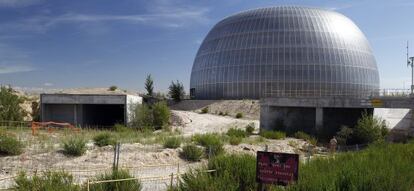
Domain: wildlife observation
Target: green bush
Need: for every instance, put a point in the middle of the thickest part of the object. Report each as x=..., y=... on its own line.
x=369, y=129
x=10, y=109
x=142, y=117
x=239, y=115
x=104, y=139
x=221, y=113
x=302, y=135
x=48, y=181
x=9, y=145
x=272, y=134
x=250, y=128
x=172, y=142
x=128, y=185
x=191, y=152
x=204, y=110
x=212, y=142
x=74, y=146
x=232, y=172
x=161, y=115
x=236, y=132
x=234, y=140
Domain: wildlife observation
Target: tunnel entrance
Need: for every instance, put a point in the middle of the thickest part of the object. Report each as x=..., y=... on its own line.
x=103, y=115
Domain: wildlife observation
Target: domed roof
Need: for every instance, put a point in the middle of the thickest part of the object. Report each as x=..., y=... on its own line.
x=283, y=51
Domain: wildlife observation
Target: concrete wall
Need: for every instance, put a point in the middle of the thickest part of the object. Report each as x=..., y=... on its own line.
x=70, y=113
x=324, y=122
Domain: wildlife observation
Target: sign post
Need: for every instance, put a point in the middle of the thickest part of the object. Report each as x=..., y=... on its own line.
x=276, y=168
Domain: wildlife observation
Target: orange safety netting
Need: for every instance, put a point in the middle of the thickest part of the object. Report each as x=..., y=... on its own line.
x=50, y=126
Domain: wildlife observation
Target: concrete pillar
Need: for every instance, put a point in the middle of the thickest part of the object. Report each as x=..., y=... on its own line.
x=319, y=118
x=264, y=117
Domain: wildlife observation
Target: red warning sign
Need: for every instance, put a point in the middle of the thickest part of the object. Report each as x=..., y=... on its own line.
x=277, y=168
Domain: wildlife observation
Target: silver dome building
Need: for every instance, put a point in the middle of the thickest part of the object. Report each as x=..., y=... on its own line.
x=284, y=51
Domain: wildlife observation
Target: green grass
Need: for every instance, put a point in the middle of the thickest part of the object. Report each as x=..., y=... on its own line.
x=273, y=134
x=236, y=132
x=191, y=152
x=379, y=167
x=9, y=145
x=172, y=142
x=129, y=185
x=47, y=181
x=232, y=172
x=233, y=140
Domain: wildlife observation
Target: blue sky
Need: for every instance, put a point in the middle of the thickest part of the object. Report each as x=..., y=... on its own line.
x=98, y=43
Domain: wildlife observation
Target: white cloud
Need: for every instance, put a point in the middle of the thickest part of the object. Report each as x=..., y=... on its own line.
x=161, y=15
x=5, y=69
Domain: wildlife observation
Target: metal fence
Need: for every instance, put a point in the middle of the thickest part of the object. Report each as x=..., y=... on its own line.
x=330, y=93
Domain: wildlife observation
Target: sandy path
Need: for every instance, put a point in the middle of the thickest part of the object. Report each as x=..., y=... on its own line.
x=193, y=123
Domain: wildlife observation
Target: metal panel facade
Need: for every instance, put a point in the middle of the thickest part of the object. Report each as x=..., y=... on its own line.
x=284, y=51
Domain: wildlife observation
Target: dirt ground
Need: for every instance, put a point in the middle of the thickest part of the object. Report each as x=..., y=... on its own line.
x=152, y=163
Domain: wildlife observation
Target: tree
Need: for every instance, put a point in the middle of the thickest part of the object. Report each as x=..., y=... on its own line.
x=149, y=85
x=10, y=109
x=176, y=91
x=161, y=115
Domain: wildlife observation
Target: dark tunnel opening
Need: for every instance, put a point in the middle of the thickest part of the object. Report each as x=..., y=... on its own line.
x=103, y=115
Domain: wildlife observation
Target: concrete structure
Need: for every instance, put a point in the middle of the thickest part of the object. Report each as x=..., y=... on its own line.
x=88, y=109
x=325, y=116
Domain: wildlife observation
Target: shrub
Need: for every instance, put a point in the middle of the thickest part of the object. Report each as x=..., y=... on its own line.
x=236, y=132
x=128, y=185
x=221, y=113
x=103, y=139
x=239, y=115
x=250, y=128
x=369, y=129
x=235, y=140
x=211, y=142
x=273, y=134
x=112, y=88
x=48, y=181
x=74, y=146
x=191, y=152
x=9, y=145
x=10, y=109
x=142, y=117
x=161, y=115
x=204, y=110
x=302, y=135
x=172, y=142
x=232, y=172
